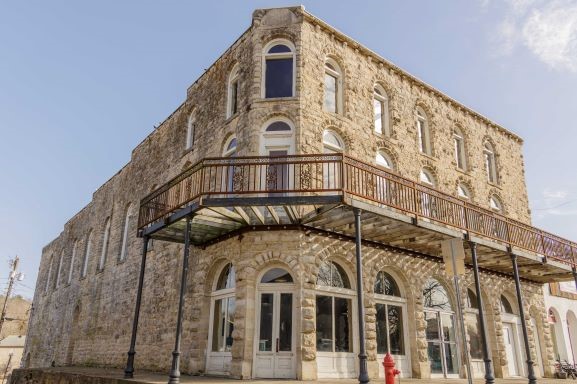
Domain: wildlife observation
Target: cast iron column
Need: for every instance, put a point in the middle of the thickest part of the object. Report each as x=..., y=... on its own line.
x=363, y=374
x=129, y=370
x=489, y=376
x=531, y=373
x=174, y=377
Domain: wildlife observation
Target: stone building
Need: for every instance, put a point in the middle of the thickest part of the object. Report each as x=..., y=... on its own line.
x=293, y=146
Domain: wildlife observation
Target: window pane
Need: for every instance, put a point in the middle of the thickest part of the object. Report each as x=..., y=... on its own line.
x=435, y=359
x=435, y=296
x=448, y=323
x=218, y=326
x=330, y=93
x=475, y=346
x=386, y=285
x=378, y=107
x=432, y=330
x=278, y=126
x=396, y=330
x=382, y=334
x=342, y=325
x=286, y=320
x=266, y=313
x=277, y=275
x=279, y=48
x=279, y=78
x=451, y=359
x=324, y=275
x=234, y=97
x=324, y=324
x=227, y=277
x=229, y=323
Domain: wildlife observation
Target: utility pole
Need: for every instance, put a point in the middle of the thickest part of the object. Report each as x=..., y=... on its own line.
x=14, y=276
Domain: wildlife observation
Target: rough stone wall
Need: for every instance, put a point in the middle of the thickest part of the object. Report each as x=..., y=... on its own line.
x=88, y=321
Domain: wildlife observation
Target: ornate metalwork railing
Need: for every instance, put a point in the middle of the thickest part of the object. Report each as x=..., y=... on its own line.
x=337, y=174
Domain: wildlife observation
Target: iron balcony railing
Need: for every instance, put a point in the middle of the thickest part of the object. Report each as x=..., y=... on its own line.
x=338, y=174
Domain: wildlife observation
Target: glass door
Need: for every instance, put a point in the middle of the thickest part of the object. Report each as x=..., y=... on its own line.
x=442, y=344
x=275, y=357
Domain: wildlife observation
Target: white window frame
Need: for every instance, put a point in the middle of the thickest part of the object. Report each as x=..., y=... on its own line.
x=337, y=74
x=380, y=96
x=460, y=151
x=59, y=269
x=427, y=178
x=283, y=55
x=329, y=147
x=104, y=251
x=125, y=234
x=233, y=78
x=388, y=163
x=72, y=259
x=190, y=128
x=490, y=163
x=423, y=132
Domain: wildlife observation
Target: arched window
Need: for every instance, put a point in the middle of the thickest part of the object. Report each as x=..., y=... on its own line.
x=124, y=239
x=495, y=204
x=332, y=143
x=490, y=163
x=87, y=252
x=333, y=309
x=459, y=144
x=229, y=147
x=232, y=92
x=506, y=306
x=426, y=177
x=49, y=276
x=279, y=69
x=389, y=316
x=440, y=330
x=224, y=304
x=276, y=275
x=278, y=126
x=384, y=160
x=190, y=128
x=59, y=269
x=72, y=260
x=463, y=191
x=423, y=132
x=104, y=251
x=333, y=100
x=472, y=325
x=381, y=111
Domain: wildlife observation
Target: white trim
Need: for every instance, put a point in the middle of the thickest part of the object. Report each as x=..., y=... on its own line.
x=283, y=55
x=337, y=74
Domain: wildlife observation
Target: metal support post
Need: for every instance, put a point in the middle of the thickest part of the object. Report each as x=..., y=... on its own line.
x=363, y=374
x=174, y=376
x=531, y=373
x=489, y=375
x=129, y=370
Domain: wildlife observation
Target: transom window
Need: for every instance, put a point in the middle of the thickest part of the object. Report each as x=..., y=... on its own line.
x=506, y=306
x=459, y=144
x=333, y=87
x=495, y=204
x=278, y=126
x=384, y=160
x=332, y=275
x=386, y=285
x=381, y=111
x=463, y=191
x=436, y=296
x=423, y=132
x=276, y=275
x=427, y=177
x=224, y=306
x=279, y=70
x=230, y=147
x=332, y=143
x=490, y=164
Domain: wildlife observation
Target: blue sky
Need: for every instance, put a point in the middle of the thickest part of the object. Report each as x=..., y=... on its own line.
x=82, y=83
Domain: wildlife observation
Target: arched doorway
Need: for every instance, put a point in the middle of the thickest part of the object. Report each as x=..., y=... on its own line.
x=556, y=327
x=222, y=311
x=73, y=335
x=511, y=339
x=391, y=323
x=441, y=331
x=275, y=349
x=572, y=329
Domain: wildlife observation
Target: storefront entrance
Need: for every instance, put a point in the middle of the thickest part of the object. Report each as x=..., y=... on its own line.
x=275, y=355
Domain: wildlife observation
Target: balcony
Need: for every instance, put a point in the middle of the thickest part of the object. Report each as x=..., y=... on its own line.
x=317, y=193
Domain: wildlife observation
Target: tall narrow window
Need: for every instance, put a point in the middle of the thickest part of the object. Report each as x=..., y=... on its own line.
x=223, y=310
x=333, y=87
x=124, y=241
x=459, y=144
x=72, y=259
x=279, y=70
x=49, y=277
x=381, y=111
x=423, y=132
x=332, y=143
x=190, y=131
x=59, y=269
x=389, y=316
x=233, y=87
x=490, y=164
x=87, y=253
x=104, y=251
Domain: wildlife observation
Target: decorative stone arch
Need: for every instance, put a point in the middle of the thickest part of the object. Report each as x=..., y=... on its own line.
x=270, y=259
x=495, y=192
x=429, y=167
x=345, y=259
x=383, y=147
x=461, y=180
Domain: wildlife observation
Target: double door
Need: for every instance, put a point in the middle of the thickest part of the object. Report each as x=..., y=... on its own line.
x=275, y=349
x=442, y=344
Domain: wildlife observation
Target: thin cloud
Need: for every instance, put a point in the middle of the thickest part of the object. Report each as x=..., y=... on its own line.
x=547, y=28
x=556, y=202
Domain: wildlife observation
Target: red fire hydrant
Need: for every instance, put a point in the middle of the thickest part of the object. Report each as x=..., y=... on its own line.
x=390, y=371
